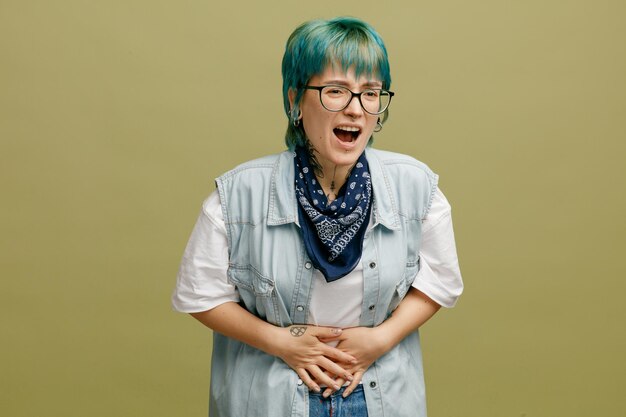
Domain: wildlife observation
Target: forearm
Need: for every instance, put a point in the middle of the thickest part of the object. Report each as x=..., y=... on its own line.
x=298, y=346
x=232, y=320
x=413, y=311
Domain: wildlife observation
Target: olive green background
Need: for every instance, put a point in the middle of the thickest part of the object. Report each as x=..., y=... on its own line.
x=116, y=116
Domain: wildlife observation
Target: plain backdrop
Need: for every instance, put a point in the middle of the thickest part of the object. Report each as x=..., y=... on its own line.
x=116, y=116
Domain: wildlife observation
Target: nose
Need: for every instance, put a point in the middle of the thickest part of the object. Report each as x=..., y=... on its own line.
x=354, y=108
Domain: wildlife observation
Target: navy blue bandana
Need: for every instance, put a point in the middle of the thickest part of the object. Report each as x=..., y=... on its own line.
x=333, y=231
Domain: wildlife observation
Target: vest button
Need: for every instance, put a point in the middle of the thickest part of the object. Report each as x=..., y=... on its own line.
x=300, y=308
x=373, y=384
x=372, y=307
x=308, y=265
x=372, y=265
x=299, y=382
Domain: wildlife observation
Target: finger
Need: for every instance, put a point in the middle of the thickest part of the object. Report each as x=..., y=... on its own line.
x=334, y=369
x=338, y=355
x=328, y=391
x=329, y=339
x=306, y=378
x=339, y=337
x=321, y=377
x=355, y=382
x=326, y=333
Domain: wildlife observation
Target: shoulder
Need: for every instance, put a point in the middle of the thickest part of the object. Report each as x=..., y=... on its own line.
x=398, y=163
x=407, y=183
x=249, y=190
x=258, y=173
x=388, y=158
x=255, y=166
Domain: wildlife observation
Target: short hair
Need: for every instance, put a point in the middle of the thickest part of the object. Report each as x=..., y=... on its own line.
x=318, y=43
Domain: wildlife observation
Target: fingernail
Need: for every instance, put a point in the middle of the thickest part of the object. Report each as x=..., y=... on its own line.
x=326, y=394
x=349, y=377
x=316, y=388
x=345, y=394
x=336, y=387
x=336, y=331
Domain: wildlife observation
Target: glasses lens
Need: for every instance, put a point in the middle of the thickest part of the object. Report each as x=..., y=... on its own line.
x=335, y=98
x=375, y=101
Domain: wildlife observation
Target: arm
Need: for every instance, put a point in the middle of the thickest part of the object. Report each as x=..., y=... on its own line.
x=438, y=283
x=299, y=346
x=414, y=310
x=368, y=344
x=203, y=291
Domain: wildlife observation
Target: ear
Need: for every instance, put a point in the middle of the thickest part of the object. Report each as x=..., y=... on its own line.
x=291, y=95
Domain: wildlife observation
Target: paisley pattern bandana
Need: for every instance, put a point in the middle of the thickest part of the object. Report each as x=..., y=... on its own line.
x=333, y=231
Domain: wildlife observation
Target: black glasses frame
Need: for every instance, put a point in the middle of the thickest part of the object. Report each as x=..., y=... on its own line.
x=358, y=95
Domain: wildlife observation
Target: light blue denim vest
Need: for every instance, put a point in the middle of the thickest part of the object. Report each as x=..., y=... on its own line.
x=270, y=267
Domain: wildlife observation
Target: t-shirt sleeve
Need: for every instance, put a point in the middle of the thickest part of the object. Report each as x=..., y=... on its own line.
x=439, y=276
x=202, y=281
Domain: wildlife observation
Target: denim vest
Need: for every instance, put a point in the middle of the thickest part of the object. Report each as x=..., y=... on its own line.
x=270, y=268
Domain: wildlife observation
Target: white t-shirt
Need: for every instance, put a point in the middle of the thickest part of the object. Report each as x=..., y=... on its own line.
x=202, y=282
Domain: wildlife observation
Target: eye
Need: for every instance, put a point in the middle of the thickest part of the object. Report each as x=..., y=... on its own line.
x=335, y=91
x=371, y=94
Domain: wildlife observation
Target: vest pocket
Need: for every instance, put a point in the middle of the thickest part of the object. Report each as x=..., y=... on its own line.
x=412, y=268
x=402, y=287
x=249, y=278
x=257, y=291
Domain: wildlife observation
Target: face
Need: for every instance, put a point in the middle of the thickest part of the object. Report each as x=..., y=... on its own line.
x=338, y=137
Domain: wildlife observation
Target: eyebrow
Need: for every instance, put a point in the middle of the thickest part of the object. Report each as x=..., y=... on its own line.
x=370, y=84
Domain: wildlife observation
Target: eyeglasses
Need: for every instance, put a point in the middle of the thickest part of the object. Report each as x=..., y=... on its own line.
x=336, y=98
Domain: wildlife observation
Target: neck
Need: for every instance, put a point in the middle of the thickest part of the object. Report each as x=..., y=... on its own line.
x=332, y=178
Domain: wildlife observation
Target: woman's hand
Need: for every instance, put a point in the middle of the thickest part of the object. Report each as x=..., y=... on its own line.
x=367, y=344
x=301, y=347
x=304, y=349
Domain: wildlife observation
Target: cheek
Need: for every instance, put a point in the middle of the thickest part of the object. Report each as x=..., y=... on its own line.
x=316, y=125
x=314, y=132
x=371, y=124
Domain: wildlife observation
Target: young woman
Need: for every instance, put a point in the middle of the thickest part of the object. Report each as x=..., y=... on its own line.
x=316, y=267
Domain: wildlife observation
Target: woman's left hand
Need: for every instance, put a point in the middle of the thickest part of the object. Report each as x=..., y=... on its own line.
x=366, y=344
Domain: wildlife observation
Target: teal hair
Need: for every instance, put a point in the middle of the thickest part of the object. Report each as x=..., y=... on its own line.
x=315, y=44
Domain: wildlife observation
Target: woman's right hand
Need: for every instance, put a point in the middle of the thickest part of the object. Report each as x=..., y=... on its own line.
x=304, y=349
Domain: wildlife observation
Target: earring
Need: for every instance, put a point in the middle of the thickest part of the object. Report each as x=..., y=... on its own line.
x=379, y=126
x=296, y=119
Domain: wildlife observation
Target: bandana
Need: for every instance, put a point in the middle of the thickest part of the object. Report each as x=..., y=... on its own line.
x=333, y=231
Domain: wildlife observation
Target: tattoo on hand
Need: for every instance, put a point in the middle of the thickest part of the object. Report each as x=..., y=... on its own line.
x=297, y=331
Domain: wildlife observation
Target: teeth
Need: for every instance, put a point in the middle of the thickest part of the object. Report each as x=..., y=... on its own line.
x=348, y=128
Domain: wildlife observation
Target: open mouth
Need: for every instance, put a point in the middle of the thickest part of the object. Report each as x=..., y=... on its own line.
x=347, y=133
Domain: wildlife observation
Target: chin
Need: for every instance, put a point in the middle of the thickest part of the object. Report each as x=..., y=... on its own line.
x=345, y=157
